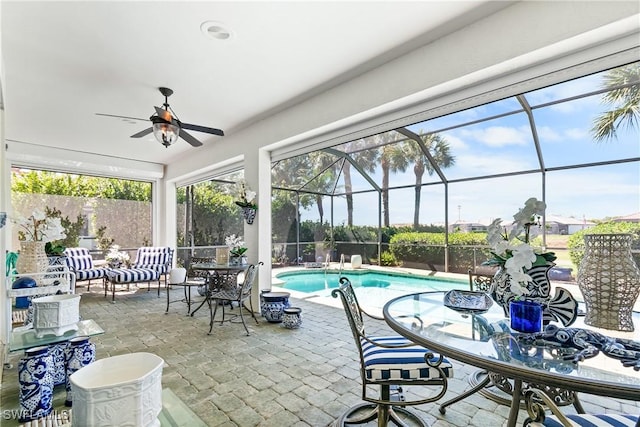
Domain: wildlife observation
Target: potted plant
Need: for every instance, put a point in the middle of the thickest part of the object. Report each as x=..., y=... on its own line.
x=237, y=250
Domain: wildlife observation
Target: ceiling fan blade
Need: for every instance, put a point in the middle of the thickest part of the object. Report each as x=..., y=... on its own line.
x=190, y=139
x=142, y=133
x=204, y=129
x=164, y=114
x=121, y=117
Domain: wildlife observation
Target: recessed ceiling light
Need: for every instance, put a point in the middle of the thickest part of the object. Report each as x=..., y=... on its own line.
x=215, y=30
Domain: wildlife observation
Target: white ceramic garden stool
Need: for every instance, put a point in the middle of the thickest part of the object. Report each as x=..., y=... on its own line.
x=123, y=390
x=356, y=261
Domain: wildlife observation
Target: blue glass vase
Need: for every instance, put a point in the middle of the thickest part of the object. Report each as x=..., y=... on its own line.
x=526, y=316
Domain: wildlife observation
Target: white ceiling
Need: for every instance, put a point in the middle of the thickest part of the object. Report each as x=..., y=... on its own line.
x=63, y=62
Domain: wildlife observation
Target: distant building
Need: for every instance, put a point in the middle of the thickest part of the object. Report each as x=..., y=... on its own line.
x=566, y=225
x=634, y=217
x=467, y=227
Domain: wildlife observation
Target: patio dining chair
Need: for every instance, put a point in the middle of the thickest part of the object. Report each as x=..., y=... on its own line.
x=390, y=362
x=178, y=277
x=537, y=401
x=239, y=294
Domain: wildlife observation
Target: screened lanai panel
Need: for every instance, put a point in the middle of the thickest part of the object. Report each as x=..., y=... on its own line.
x=365, y=208
x=497, y=146
x=428, y=205
x=594, y=193
x=432, y=205
x=482, y=201
x=470, y=115
x=566, y=137
x=569, y=89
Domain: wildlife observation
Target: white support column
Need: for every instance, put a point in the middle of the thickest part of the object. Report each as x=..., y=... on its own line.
x=170, y=217
x=5, y=238
x=159, y=216
x=257, y=173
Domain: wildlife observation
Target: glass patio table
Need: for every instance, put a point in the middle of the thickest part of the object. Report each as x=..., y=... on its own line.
x=25, y=338
x=486, y=341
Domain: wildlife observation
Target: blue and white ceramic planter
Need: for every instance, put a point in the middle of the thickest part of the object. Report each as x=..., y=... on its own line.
x=292, y=318
x=36, y=383
x=79, y=353
x=273, y=305
x=59, y=371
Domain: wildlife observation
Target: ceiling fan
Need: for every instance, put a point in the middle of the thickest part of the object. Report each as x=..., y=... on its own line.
x=166, y=125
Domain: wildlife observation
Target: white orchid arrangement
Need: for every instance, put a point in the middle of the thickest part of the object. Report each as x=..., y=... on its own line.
x=236, y=245
x=512, y=250
x=245, y=195
x=115, y=256
x=40, y=227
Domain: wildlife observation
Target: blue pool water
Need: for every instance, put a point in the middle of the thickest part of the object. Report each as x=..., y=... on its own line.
x=321, y=283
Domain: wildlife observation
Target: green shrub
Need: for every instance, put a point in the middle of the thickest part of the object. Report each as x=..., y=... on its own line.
x=428, y=249
x=387, y=259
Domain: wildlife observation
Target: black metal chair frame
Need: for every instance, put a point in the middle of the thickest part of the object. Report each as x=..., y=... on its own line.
x=537, y=401
x=385, y=407
x=239, y=295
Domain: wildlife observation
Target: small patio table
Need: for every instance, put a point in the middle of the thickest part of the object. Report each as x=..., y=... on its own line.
x=485, y=340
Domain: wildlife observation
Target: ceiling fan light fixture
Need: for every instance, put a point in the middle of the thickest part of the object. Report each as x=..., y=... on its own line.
x=166, y=133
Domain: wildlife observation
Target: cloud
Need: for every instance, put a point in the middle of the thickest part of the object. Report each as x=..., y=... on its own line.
x=576, y=133
x=491, y=164
x=545, y=133
x=456, y=144
x=499, y=136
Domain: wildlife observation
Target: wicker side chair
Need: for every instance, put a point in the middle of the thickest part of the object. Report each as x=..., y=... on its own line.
x=389, y=362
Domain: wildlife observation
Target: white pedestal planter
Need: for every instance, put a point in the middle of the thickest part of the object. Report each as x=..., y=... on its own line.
x=356, y=261
x=123, y=390
x=55, y=314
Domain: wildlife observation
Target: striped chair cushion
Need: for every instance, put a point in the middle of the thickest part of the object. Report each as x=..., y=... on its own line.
x=157, y=258
x=73, y=252
x=132, y=275
x=80, y=262
x=405, y=363
x=95, y=273
x=598, y=420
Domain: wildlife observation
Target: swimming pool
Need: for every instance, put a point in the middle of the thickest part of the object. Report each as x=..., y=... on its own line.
x=373, y=288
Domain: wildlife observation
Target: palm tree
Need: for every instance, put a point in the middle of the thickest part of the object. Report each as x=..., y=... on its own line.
x=366, y=159
x=440, y=151
x=323, y=170
x=624, y=97
x=393, y=158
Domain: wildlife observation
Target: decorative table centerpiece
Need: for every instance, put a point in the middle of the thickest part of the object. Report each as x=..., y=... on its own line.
x=237, y=250
x=117, y=259
x=523, y=269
